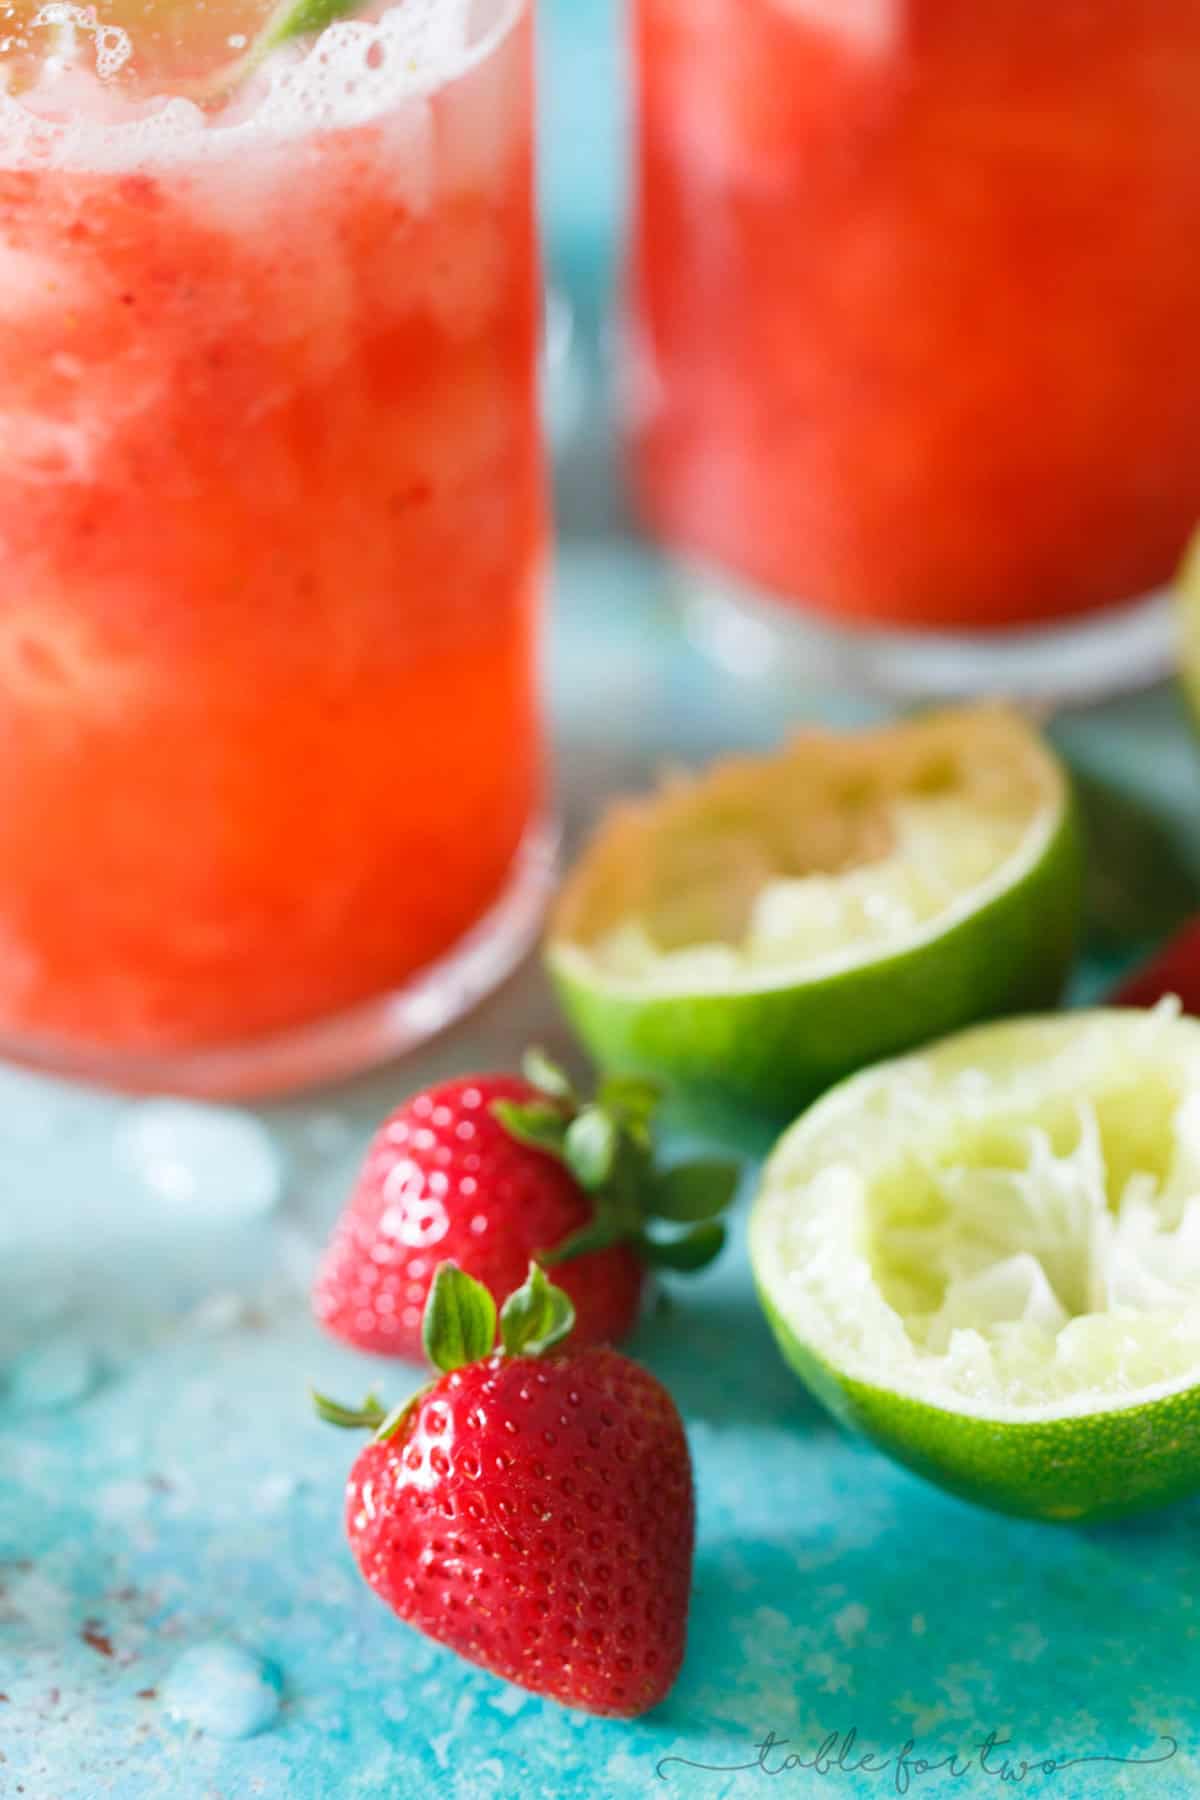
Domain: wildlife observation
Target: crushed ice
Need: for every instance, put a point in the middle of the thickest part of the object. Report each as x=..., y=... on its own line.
x=223, y=1689
x=212, y=1162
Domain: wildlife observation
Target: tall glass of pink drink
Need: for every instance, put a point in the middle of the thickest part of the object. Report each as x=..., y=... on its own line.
x=916, y=366
x=272, y=533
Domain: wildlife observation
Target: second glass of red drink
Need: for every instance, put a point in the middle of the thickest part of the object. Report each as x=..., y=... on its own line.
x=914, y=364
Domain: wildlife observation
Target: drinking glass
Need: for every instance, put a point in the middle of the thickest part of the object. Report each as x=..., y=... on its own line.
x=272, y=530
x=914, y=365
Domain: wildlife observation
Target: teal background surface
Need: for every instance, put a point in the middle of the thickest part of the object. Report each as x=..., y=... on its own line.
x=163, y=1487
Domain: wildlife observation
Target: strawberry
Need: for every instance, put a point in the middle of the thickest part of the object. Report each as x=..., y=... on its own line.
x=495, y=1171
x=1175, y=969
x=533, y=1508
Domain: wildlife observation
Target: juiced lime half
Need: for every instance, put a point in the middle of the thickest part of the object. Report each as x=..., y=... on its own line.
x=757, y=932
x=987, y=1257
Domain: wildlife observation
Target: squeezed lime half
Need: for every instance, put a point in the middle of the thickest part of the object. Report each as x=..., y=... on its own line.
x=757, y=932
x=987, y=1258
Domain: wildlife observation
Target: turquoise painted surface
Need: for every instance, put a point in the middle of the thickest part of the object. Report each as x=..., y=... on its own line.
x=163, y=1489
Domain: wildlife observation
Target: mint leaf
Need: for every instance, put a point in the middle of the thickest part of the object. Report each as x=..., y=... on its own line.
x=546, y=1075
x=694, y=1191
x=536, y=1317
x=460, y=1319
x=591, y=1147
x=307, y=16
x=694, y=1250
x=305, y=19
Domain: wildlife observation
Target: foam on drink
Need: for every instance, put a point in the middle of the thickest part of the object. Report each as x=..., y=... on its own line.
x=73, y=114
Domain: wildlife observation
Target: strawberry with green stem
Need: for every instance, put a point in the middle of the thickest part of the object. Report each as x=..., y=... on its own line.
x=533, y=1507
x=493, y=1172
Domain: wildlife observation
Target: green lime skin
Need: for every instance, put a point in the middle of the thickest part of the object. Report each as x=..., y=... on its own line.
x=775, y=1051
x=1101, y=1465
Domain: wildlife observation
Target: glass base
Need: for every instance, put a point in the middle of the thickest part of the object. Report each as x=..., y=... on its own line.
x=1069, y=663
x=352, y=1041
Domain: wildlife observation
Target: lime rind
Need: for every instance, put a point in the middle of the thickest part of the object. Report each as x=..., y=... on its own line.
x=988, y=1259
x=1060, y=1468
x=771, y=1038
x=799, y=865
x=943, y=859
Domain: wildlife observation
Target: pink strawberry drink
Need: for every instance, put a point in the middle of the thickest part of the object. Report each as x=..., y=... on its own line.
x=271, y=528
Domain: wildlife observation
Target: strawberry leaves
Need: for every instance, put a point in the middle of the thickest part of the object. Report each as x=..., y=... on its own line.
x=367, y=1417
x=608, y=1146
x=370, y=1416
x=694, y=1192
x=541, y=1127
x=632, y=1100
x=536, y=1317
x=690, y=1251
x=459, y=1326
x=460, y=1318
x=590, y=1147
x=545, y=1075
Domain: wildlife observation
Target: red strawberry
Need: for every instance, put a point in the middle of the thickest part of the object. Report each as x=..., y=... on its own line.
x=494, y=1171
x=533, y=1509
x=1174, y=970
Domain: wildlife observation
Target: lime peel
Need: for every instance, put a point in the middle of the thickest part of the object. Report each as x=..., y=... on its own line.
x=770, y=926
x=988, y=1258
